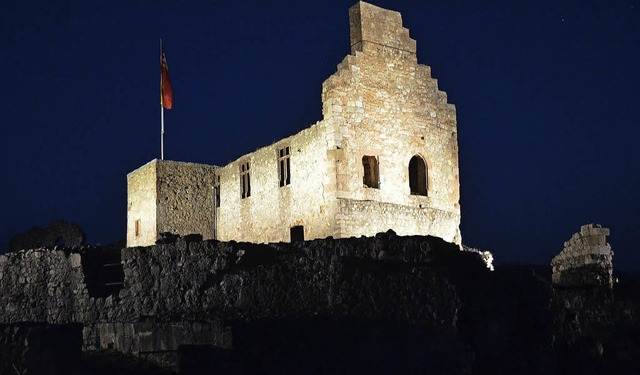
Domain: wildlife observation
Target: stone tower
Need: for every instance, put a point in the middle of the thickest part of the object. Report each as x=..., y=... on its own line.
x=169, y=196
x=382, y=103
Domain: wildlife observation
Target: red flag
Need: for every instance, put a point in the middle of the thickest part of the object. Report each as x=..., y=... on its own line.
x=166, y=93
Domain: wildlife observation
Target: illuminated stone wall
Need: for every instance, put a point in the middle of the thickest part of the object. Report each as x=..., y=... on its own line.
x=385, y=104
x=364, y=218
x=271, y=210
x=380, y=104
x=141, y=205
x=585, y=260
x=169, y=196
x=185, y=198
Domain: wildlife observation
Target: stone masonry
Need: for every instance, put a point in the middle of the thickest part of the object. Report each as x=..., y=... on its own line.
x=384, y=156
x=585, y=259
x=186, y=293
x=401, y=304
x=169, y=196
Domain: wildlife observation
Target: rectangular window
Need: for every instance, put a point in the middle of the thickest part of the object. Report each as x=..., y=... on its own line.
x=371, y=176
x=136, y=229
x=216, y=189
x=245, y=180
x=284, y=166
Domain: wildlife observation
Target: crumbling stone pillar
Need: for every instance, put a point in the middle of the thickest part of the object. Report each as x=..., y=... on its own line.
x=585, y=259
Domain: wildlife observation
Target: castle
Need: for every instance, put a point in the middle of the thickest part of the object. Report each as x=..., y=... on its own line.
x=384, y=156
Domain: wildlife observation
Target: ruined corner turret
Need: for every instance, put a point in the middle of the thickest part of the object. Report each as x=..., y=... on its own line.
x=585, y=259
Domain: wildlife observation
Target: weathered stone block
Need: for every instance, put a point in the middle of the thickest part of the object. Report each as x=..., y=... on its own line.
x=585, y=259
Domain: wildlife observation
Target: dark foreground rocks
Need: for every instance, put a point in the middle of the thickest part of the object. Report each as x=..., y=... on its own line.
x=387, y=304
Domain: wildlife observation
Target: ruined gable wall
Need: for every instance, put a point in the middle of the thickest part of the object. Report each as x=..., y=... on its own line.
x=141, y=205
x=387, y=105
x=269, y=212
x=185, y=198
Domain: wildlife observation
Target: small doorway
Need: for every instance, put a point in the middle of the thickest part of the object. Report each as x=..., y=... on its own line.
x=297, y=233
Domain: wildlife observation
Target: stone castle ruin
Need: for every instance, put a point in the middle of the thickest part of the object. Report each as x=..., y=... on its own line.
x=383, y=159
x=585, y=260
x=384, y=156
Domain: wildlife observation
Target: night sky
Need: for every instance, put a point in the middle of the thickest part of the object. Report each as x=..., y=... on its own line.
x=546, y=94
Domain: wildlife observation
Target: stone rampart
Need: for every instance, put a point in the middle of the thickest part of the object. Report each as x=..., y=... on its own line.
x=211, y=282
x=417, y=302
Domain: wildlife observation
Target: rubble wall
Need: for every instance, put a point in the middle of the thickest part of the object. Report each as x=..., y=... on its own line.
x=242, y=303
x=197, y=287
x=42, y=286
x=169, y=196
x=185, y=198
x=586, y=259
x=210, y=280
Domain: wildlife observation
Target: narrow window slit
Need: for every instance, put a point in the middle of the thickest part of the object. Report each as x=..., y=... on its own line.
x=284, y=166
x=245, y=180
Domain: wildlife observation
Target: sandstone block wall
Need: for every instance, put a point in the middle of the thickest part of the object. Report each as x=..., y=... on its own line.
x=362, y=218
x=158, y=342
x=271, y=210
x=585, y=260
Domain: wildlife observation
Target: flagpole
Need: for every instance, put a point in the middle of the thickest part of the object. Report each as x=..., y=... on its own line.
x=161, y=111
x=161, y=133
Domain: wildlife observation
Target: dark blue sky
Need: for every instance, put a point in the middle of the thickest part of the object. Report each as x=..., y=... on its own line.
x=546, y=93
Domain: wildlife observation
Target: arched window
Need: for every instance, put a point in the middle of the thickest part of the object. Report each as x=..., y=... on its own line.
x=417, y=176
